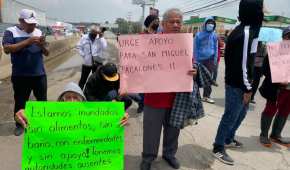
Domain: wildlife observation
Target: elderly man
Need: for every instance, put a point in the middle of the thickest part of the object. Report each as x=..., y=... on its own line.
x=26, y=45
x=159, y=109
x=91, y=49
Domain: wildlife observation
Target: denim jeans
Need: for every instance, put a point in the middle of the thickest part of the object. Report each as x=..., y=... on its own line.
x=113, y=95
x=137, y=97
x=235, y=112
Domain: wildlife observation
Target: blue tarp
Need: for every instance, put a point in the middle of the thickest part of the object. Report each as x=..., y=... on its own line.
x=270, y=34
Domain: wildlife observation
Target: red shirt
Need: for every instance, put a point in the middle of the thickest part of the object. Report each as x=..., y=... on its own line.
x=219, y=53
x=159, y=100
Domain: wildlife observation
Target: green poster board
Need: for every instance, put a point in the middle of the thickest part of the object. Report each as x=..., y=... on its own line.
x=73, y=136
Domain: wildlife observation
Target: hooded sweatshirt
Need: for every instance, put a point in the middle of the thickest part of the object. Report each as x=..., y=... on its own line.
x=206, y=43
x=72, y=87
x=242, y=45
x=97, y=88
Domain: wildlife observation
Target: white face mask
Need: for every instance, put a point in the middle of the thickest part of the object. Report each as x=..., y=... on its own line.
x=210, y=27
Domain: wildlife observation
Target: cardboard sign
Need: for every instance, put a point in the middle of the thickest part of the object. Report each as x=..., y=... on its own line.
x=279, y=58
x=155, y=63
x=73, y=136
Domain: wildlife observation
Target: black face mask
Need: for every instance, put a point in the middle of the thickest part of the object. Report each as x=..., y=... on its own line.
x=92, y=36
x=155, y=27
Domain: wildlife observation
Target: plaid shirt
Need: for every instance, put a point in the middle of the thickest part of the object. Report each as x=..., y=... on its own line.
x=186, y=107
x=204, y=77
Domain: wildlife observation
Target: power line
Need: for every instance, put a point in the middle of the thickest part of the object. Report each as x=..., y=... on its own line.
x=30, y=6
x=184, y=2
x=181, y=4
x=211, y=10
x=204, y=7
x=189, y=3
x=219, y=6
x=197, y=5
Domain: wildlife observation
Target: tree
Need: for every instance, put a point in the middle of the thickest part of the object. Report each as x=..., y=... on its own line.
x=123, y=25
x=126, y=27
x=136, y=27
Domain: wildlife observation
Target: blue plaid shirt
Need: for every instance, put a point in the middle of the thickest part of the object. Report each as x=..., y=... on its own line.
x=187, y=107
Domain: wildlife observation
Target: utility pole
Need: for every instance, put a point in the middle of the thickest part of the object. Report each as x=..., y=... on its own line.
x=143, y=4
x=129, y=17
x=143, y=15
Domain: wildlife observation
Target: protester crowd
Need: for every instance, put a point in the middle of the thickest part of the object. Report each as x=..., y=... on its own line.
x=100, y=81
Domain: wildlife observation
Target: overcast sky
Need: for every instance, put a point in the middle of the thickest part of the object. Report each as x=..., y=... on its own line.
x=109, y=10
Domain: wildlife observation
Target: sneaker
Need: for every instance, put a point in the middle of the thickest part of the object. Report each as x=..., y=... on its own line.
x=208, y=100
x=18, y=131
x=224, y=157
x=265, y=141
x=234, y=144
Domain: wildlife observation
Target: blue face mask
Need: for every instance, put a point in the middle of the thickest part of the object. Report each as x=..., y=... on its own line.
x=209, y=27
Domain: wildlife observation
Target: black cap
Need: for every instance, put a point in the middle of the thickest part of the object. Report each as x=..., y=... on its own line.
x=149, y=19
x=110, y=72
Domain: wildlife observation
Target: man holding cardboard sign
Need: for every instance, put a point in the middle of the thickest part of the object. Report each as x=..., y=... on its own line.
x=161, y=108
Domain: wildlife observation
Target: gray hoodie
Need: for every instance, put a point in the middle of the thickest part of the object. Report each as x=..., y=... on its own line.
x=72, y=87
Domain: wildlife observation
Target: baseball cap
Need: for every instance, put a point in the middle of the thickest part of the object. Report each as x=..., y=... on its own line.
x=28, y=15
x=110, y=72
x=286, y=31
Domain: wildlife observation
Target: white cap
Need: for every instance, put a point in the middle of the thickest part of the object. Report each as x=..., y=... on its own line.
x=28, y=15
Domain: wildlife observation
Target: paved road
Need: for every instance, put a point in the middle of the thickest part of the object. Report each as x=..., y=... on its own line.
x=195, y=142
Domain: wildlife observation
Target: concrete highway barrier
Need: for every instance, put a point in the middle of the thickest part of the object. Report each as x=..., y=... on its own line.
x=56, y=48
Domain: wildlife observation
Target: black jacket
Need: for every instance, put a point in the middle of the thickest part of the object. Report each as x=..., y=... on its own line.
x=97, y=88
x=240, y=57
x=268, y=89
x=240, y=50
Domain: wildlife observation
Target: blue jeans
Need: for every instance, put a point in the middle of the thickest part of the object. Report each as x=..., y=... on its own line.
x=113, y=95
x=137, y=97
x=235, y=112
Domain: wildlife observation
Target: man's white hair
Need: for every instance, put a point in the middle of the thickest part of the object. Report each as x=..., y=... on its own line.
x=95, y=28
x=168, y=12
